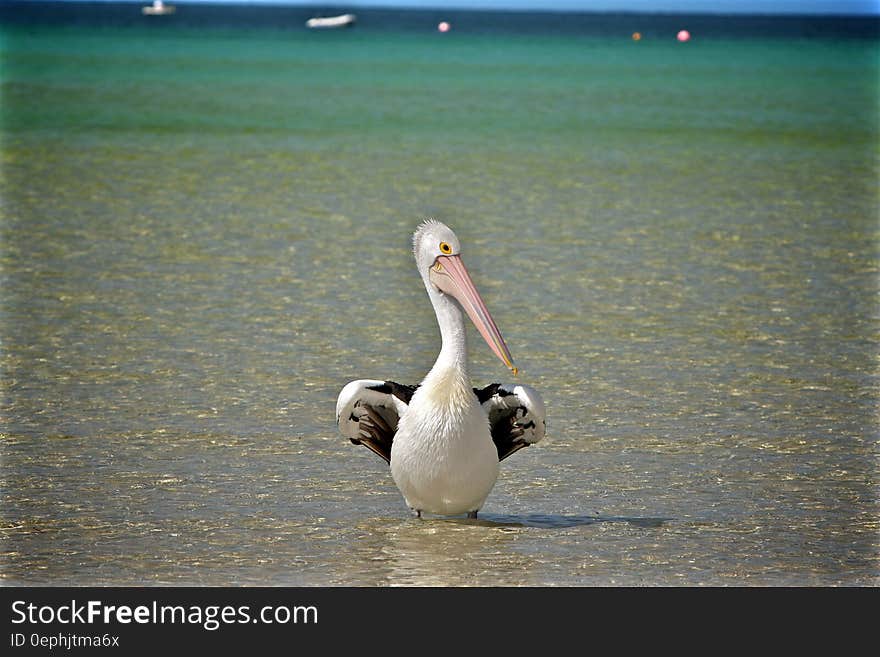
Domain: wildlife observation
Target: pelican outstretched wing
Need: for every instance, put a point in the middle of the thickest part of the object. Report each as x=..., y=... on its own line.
x=516, y=416
x=367, y=412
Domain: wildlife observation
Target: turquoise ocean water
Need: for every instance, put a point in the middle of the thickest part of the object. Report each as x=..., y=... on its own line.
x=205, y=235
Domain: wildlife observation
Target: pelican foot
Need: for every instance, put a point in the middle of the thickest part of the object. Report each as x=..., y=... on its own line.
x=417, y=512
x=473, y=514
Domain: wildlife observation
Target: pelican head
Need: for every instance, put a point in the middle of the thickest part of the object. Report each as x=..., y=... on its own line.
x=438, y=257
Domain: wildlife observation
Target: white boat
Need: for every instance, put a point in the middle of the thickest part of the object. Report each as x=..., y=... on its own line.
x=158, y=8
x=343, y=20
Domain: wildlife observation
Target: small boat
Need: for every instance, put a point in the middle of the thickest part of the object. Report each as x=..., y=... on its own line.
x=343, y=20
x=158, y=8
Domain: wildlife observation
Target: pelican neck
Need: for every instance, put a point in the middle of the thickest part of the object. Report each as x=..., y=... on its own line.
x=450, y=319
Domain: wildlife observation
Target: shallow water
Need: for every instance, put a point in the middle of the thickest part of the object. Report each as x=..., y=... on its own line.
x=201, y=248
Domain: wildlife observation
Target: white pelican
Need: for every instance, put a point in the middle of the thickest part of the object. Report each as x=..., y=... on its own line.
x=444, y=438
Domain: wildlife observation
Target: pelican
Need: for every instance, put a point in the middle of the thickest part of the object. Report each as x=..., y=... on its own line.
x=444, y=438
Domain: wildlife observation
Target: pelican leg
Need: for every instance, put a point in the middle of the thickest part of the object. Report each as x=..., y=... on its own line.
x=417, y=513
x=473, y=514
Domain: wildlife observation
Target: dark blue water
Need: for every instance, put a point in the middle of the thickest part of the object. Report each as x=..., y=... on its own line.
x=666, y=25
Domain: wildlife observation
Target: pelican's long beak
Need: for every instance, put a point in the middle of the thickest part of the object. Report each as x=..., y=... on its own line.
x=450, y=276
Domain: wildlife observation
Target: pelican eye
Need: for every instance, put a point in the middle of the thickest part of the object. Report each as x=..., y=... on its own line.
x=445, y=248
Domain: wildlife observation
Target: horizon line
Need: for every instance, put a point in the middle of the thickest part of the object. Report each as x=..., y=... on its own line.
x=403, y=6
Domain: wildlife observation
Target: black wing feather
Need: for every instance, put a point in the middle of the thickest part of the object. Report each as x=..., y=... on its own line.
x=403, y=392
x=511, y=417
x=375, y=418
